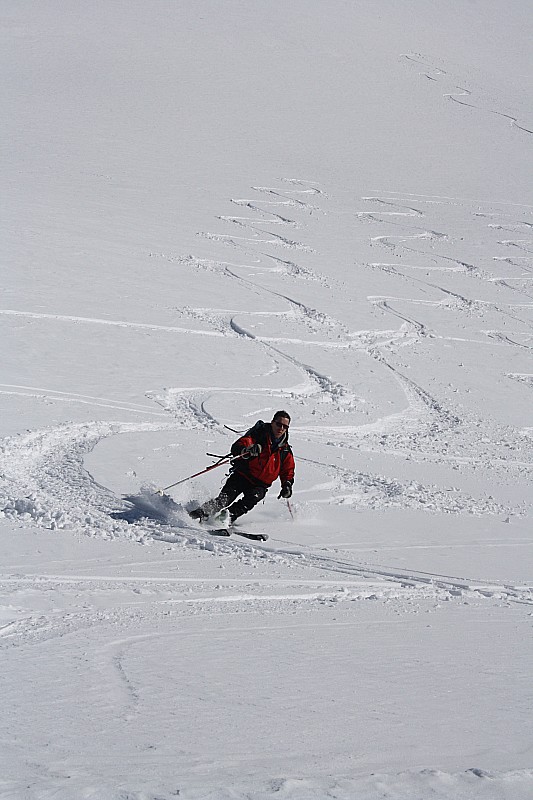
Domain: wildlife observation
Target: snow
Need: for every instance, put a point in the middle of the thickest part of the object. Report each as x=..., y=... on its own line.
x=213, y=211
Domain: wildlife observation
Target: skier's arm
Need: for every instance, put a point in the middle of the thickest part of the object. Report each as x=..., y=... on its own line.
x=238, y=446
x=286, y=474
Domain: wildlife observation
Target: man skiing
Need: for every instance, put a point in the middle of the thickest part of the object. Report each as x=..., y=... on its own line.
x=264, y=455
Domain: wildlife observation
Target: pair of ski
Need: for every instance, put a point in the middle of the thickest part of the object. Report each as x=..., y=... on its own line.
x=222, y=518
x=256, y=537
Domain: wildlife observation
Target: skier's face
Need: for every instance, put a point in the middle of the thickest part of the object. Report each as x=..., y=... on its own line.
x=280, y=426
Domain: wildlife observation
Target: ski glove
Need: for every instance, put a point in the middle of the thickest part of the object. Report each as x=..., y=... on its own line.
x=252, y=451
x=286, y=491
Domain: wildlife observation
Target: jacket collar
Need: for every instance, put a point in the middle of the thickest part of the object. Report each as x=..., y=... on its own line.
x=278, y=442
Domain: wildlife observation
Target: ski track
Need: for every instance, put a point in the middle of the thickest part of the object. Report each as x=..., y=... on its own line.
x=43, y=480
x=354, y=581
x=410, y=331
x=191, y=407
x=131, y=600
x=74, y=397
x=113, y=323
x=475, y=99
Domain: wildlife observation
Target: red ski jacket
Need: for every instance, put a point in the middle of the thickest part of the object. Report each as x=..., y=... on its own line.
x=274, y=462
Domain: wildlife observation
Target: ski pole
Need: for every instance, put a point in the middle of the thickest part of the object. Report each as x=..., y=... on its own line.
x=291, y=512
x=223, y=460
x=233, y=430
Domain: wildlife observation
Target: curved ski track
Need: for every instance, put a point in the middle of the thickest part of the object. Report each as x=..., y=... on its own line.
x=43, y=480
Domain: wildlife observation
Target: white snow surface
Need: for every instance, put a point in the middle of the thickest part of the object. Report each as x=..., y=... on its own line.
x=211, y=211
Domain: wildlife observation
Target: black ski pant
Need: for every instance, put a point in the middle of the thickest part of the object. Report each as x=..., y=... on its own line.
x=235, y=485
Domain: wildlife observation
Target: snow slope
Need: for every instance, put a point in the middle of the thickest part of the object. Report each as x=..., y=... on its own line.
x=216, y=210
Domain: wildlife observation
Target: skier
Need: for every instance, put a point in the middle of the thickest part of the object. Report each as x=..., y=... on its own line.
x=265, y=454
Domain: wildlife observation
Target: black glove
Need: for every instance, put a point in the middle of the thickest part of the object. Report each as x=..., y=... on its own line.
x=286, y=491
x=252, y=451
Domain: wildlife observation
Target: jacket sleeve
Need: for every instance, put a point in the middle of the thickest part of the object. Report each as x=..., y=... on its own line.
x=286, y=474
x=244, y=441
